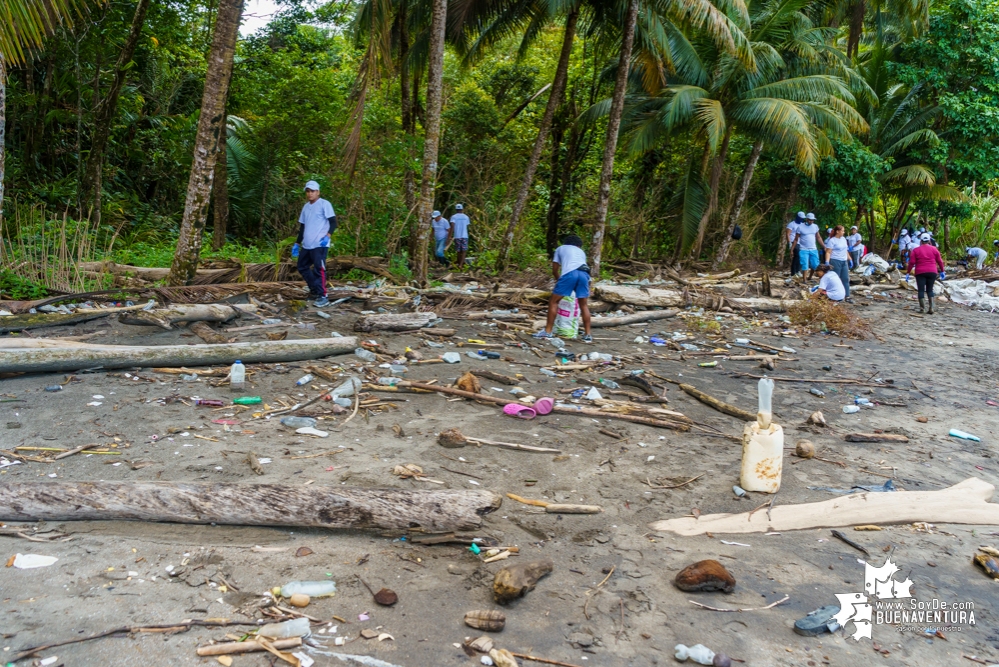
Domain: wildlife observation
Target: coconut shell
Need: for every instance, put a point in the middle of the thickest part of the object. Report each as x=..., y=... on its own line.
x=804, y=449
x=490, y=620
x=452, y=438
x=386, y=597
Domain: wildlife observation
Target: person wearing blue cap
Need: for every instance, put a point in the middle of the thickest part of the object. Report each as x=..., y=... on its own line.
x=315, y=225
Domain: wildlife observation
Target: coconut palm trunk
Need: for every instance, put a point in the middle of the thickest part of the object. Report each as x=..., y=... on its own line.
x=555, y=97
x=716, y=173
x=740, y=200
x=220, y=193
x=3, y=127
x=791, y=200
x=610, y=145
x=432, y=127
x=94, y=174
x=211, y=130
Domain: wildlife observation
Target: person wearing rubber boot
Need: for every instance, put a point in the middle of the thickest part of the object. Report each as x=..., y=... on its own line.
x=926, y=262
x=316, y=223
x=572, y=275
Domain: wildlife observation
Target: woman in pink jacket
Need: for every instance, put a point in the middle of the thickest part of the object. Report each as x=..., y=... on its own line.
x=927, y=263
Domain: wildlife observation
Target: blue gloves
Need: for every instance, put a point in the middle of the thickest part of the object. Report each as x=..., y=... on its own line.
x=325, y=243
x=943, y=275
x=294, y=250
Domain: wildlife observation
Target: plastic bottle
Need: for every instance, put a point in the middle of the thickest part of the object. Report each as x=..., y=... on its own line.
x=850, y=409
x=347, y=388
x=314, y=589
x=248, y=400
x=237, y=376
x=548, y=372
x=398, y=369
x=298, y=627
x=451, y=357
x=472, y=354
x=305, y=379
x=388, y=382
x=271, y=320
x=365, y=355
x=298, y=422
x=211, y=402
x=489, y=354
x=610, y=384
x=762, y=446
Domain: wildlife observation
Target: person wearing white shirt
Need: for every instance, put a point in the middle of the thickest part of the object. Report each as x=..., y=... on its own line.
x=442, y=233
x=855, y=240
x=459, y=232
x=792, y=231
x=830, y=284
x=976, y=254
x=809, y=239
x=572, y=276
x=838, y=256
x=316, y=223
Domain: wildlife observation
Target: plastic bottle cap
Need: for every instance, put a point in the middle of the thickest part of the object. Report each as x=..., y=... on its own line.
x=238, y=361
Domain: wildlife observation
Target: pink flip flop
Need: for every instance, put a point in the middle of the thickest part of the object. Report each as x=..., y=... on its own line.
x=544, y=405
x=515, y=410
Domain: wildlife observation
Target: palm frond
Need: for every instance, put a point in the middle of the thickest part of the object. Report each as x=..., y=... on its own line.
x=24, y=24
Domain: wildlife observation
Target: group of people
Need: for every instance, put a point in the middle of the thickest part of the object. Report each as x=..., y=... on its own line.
x=839, y=253
x=447, y=232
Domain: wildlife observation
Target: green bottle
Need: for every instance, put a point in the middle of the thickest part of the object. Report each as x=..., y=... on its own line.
x=247, y=400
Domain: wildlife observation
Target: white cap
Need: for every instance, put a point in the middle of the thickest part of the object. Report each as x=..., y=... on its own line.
x=924, y=237
x=810, y=216
x=459, y=207
x=855, y=227
x=801, y=214
x=312, y=185
x=905, y=232
x=435, y=214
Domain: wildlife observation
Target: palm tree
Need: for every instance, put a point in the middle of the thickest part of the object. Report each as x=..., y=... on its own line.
x=24, y=25
x=800, y=95
x=432, y=127
x=211, y=128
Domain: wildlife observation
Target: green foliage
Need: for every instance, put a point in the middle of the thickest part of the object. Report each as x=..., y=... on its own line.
x=848, y=179
x=13, y=286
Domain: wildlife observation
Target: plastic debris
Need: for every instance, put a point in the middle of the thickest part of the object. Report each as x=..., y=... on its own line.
x=314, y=589
x=312, y=431
x=31, y=561
x=298, y=422
x=964, y=436
x=451, y=357
x=698, y=653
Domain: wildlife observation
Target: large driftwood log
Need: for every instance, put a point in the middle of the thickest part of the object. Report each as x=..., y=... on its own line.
x=395, y=322
x=201, y=312
x=647, y=316
x=247, y=505
x=966, y=502
x=655, y=296
x=11, y=323
x=46, y=355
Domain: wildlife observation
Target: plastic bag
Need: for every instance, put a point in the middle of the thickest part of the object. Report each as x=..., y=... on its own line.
x=567, y=318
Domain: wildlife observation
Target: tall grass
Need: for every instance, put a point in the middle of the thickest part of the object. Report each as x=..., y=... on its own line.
x=44, y=251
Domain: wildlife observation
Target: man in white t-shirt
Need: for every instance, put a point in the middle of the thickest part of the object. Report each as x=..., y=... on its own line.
x=809, y=239
x=829, y=283
x=855, y=240
x=442, y=233
x=792, y=231
x=978, y=255
x=316, y=224
x=459, y=231
x=572, y=276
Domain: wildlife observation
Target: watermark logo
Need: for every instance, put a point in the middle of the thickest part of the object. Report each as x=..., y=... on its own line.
x=887, y=601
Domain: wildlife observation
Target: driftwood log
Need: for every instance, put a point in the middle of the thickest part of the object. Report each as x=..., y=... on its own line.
x=966, y=503
x=720, y=406
x=201, y=312
x=647, y=316
x=395, y=322
x=39, y=355
x=209, y=335
x=12, y=323
x=655, y=296
x=247, y=505
x=875, y=437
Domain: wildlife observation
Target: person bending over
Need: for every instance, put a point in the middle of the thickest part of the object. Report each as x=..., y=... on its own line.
x=830, y=286
x=572, y=275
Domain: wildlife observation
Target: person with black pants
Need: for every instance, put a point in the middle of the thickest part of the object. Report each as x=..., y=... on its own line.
x=927, y=263
x=316, y=224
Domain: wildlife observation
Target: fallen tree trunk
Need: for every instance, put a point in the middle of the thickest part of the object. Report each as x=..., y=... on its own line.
x=966, y=503
x=39, y=355
x=651, y=296
x=10, y=323
x=202, y=312
x=720, y=406
x=247, y=505
x=207, y=334
x=395, y=322
x=648, y=316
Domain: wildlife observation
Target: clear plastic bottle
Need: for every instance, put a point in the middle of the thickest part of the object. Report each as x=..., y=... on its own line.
x=298, y=627
x=366, y=355
x=388, y=382
x=305, y=379
x=610, y=384
x=237, y=376
x=348, y=388
x=298, y=422
x=314, y=589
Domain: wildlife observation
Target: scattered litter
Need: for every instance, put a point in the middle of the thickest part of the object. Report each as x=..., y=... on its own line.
x=314, y=589
x=964, y=436
x=818, y=622
x=698, y=653
x=312, y=431
x=31, y=561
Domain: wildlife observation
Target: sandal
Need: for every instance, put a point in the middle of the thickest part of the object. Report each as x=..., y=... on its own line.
x=515, y=410
x=544, y=405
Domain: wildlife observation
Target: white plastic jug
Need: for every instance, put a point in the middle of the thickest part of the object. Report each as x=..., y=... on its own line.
x=762, y=447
